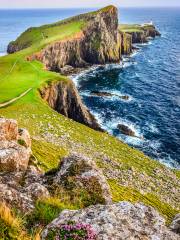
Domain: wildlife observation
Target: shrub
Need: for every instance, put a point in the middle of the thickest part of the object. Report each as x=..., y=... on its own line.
x=46, y=210
x=72, y=231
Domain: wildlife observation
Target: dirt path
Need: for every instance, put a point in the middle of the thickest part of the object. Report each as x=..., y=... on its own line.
x=15, y=99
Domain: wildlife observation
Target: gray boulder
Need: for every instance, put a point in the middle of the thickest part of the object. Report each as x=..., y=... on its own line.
x=118, y=222
x=82, y=172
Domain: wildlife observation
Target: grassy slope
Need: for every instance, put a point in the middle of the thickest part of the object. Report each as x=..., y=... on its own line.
x=129, y=28
x=54, y=136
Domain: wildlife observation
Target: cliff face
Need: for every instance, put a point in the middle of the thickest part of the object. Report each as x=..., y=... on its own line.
x=64, y=98
x=143, y=35
x=97, y=43
x=126, y=43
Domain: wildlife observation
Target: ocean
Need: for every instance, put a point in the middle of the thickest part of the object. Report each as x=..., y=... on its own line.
x=150, y=77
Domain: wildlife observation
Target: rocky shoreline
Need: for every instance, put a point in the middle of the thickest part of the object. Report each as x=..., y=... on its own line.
x=90, y=185
x=102, y=41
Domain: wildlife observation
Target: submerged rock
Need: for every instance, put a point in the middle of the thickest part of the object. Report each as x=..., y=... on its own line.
x=107, y=94
x=126, y=130
x=118, y=222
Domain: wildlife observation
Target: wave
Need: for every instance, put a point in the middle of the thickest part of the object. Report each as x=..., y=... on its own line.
x=111, y=126
x=115, y=95
x=129, y=64
x=169, y=162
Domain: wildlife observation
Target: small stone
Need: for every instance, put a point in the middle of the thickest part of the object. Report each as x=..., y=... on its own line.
x=175, y=225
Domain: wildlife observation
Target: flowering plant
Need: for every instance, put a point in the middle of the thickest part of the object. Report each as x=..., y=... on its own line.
x=72, y=231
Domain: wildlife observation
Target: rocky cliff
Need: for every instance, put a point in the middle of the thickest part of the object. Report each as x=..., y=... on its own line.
x=126, y=43
x=97, y=43
x=64, y=98
x=143, y=33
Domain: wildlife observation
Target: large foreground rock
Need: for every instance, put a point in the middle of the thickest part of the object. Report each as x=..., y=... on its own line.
x=8, y=129
x=15, y=146
x=118, y=222
x=20, y=183
x=78, y=171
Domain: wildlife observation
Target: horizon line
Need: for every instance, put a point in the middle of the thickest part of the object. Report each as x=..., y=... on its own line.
x=26, y=8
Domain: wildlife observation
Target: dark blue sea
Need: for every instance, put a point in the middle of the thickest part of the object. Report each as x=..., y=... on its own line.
x=150, y=77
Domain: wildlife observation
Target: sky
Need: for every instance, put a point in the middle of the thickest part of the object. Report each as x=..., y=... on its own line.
x=84, y=3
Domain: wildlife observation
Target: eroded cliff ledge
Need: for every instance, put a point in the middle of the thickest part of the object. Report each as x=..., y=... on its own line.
x=64, y=98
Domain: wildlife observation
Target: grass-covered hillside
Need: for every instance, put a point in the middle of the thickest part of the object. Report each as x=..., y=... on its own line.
x=131, y=175
x=131, y=28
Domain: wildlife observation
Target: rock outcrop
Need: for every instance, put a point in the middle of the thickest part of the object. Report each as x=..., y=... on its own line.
x=20, y=184
x=126, y=43
x=175, y=225
x=143, y=36
x=126, y=130
x=107, y=94
x=117, y=221
x=78, y=171
x=96, y=43
x=15, y=148
x=64, y=98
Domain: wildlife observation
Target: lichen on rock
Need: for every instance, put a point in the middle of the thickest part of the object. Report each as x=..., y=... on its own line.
x=81, y=173
x=118, y=221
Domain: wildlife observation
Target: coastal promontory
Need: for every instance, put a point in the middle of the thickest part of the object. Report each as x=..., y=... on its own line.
x=60, y=173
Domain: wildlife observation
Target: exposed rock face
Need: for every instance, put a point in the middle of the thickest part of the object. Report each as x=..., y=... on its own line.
x=12, y=48
x=8, y=129
x=15, y=198
x=36, y=191
x=15, y=152
x=80, y=171
x=64, y=98
x=126, y=43
x=14, y=156
x=175, y=225
x=118, y=222
x=97, y=43
x=142, y=36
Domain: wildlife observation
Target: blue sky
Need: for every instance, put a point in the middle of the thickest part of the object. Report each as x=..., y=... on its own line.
x=84, y=3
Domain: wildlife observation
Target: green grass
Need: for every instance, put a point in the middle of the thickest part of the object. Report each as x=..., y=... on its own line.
x=54, y=136
x=46, y=210
x=122, y=193
x=131, y=28
x=11, y=227
x=42, y=36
